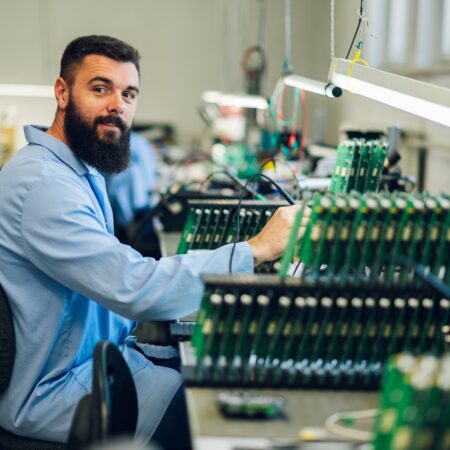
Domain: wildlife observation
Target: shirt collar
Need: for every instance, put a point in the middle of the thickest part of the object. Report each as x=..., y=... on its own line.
x=38, y=135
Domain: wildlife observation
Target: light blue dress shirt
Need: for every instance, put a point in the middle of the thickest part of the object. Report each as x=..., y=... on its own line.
x=130, y=190
x=70, y=283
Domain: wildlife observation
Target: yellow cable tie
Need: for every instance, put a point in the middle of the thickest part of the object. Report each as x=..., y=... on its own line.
x=357, y=59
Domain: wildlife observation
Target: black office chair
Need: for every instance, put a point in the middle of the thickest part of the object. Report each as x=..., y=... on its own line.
x=111, y=410
x=10, y=441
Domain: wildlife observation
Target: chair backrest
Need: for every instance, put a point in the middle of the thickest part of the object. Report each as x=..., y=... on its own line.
x=114, y=398
x=81, y=427
x=7, y=341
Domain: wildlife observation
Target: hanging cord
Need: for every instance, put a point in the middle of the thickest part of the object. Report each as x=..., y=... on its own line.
x=276, y=107
x=332, y=41
x=283, y=125
x=254, y=60
x=361, y=15
x=287, y=66
x=277, y=99
x=358, y=55
x=262, y=24
x=365, y=21
x=286, y=125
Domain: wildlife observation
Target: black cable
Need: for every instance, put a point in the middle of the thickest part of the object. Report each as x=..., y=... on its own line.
x=294, y=177
x=361, y=10
x=238, y=228
x=287, y=197
x=282, y=191
x=237, y=181
x=296, y=268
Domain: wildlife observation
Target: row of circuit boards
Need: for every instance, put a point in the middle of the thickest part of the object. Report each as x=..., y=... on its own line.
x=359, y=166
x=263, y=331
x=351, y=235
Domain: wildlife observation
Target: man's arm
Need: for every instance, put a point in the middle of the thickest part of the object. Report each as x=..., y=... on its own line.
x=271, y=241
x=65, y=237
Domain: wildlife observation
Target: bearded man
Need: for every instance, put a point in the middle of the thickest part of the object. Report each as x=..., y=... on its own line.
x=70, y=283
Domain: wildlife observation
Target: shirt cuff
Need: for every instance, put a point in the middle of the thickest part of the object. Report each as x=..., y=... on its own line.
x=243, y=259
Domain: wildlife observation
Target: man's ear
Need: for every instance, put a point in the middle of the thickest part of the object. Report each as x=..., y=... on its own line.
x=61, y=92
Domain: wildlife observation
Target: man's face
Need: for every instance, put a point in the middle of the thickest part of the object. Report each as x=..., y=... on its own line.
x=102, y=102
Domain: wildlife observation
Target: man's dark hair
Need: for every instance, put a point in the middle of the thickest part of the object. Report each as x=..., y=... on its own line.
x=96, y=45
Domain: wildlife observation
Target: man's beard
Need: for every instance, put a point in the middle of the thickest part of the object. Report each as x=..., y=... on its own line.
x=111, y=154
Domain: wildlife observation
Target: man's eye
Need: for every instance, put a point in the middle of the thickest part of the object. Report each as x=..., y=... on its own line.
x=99, y=89
x=130, y=95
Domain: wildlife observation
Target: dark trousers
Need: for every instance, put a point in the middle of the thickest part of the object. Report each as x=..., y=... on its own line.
x=173, y=430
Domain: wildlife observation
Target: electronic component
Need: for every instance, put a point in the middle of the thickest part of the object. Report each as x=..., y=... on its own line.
x=263, y=331
x=245, y=405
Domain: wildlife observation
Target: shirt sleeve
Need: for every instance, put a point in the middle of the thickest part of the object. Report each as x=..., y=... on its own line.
x=66, y=239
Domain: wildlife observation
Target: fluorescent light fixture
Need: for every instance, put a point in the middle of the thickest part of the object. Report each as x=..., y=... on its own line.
x=310, y=85
x=236, y=100
x=416, y=97
x=211, y=96
x=26, y=90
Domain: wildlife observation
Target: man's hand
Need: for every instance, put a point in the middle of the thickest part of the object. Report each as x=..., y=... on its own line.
x=271, y=241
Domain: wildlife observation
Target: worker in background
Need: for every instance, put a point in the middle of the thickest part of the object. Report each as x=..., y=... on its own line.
x=69, y=281
x=131, y=192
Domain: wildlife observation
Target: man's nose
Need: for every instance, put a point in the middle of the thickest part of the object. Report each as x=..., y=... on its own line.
x=115, y=105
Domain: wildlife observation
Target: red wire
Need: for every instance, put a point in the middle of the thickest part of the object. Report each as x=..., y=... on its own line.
x=280, y=104
x=304, y=125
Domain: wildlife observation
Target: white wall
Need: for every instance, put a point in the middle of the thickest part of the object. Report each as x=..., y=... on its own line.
x=185, y=46
x=177, y=39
